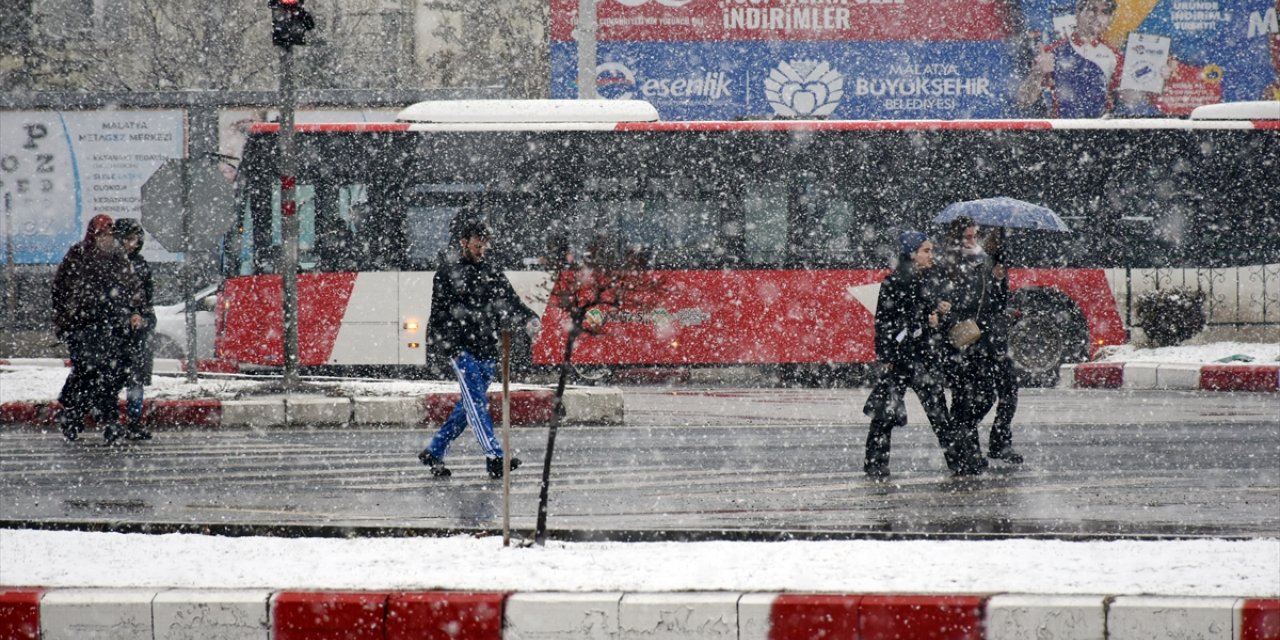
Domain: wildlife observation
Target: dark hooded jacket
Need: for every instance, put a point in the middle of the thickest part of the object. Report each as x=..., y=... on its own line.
x=471, y=301
x=903, y=334
x=93, y=290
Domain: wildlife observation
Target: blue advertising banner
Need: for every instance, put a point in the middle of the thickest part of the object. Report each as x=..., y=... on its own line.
x=845, y=80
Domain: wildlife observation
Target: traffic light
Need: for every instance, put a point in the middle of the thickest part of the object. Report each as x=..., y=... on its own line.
x=289, y=22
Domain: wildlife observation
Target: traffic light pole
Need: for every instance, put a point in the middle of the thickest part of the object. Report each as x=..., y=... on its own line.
x=288, y=165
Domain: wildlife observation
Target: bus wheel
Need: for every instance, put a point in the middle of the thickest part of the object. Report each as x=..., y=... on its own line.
x=1048, y=330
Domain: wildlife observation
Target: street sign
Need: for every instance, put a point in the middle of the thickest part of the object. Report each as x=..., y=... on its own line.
x=212, y=205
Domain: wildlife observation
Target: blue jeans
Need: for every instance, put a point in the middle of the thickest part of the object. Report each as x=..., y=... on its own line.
x=472, y=408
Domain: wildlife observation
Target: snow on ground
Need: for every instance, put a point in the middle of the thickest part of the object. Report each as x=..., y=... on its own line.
x=1214, y=352
x=1176, y=568
x=1240, y=568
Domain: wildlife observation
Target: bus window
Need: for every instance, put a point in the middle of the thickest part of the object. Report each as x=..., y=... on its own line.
x=765, y=225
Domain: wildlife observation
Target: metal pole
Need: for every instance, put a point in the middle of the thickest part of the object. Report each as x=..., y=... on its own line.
x=188, y=288
x=10, y=267
x=506, y=438
x=289, y=222
x=585, y=34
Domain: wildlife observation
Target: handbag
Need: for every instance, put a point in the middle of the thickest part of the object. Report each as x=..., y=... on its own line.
x=964, y=333
x=967, y=332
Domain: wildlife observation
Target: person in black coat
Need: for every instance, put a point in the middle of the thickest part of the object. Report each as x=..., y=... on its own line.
x=968, y=278
x=908, y=322
x=138, y=356
x=471, y=302
x=92, y=315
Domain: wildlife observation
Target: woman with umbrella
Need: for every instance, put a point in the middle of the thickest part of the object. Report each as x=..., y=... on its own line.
x=908, y=320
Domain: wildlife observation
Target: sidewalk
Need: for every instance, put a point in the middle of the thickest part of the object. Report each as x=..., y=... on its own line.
x=30, y=389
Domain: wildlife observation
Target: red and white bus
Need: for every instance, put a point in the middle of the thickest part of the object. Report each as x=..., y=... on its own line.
x=771, y=236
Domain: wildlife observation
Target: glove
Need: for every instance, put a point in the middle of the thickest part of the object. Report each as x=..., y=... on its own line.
x=533, y=327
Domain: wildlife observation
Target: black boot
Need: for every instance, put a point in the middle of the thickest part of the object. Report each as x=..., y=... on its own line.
x=134, y=431
x=494, y=466
x=436, y=464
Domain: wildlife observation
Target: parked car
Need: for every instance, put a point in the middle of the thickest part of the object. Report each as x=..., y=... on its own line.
x=171, y=326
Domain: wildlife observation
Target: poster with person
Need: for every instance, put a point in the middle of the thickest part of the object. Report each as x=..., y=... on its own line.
x=1218, y=51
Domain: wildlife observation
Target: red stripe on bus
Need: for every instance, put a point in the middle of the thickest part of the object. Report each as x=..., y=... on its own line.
x=355, y=127
x=839, y=125
x=252, y=332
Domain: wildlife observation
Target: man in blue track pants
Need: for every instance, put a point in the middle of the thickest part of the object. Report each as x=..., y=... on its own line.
x=471, y=301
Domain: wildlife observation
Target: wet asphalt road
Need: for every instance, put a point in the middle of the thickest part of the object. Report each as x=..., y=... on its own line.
x=689, y=464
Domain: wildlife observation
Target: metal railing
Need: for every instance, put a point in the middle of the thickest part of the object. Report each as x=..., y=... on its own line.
x=1237, y=296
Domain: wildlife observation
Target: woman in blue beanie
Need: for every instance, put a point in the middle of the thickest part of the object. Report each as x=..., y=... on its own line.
x=908, y=320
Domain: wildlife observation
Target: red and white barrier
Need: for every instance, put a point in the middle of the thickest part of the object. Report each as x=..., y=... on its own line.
x=1150, y=375
x=37, y=614
x=531, y=407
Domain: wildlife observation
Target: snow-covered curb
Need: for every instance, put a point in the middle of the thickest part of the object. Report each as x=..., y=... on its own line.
x=28, y=394
x=1167, y=375
x=69, y=584
x=285, y=615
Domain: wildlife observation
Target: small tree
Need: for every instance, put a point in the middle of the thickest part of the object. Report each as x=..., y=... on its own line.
x=605, y=282
x=1169, y=316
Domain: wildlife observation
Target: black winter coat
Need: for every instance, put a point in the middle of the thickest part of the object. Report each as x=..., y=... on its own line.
x=903, y=334
x=471, y=301
x=92, y=291
x=141, y=302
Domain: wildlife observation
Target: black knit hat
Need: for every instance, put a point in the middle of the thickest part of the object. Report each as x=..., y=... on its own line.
x=473, y=228
x=125, y=227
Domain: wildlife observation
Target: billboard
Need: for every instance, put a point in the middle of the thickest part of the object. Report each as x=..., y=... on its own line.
x=933, y=59
x=60, y=168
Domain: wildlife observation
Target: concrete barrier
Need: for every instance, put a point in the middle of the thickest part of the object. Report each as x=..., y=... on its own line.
x=318, y=412
x=398, y=411
x=192, y=614
x=678, y=616
x=1139, y=375
x=1258, y=619
x=568, y=616
x=903, y=617
x=96, y=614
x=20, y=613
x=254, y=413
x=182, y=614
x=1020, y=617
x=1160, y=618
x=1178, y=376
x=328, y=616
x=445, y=615
x=589, y=405
x=767, y=616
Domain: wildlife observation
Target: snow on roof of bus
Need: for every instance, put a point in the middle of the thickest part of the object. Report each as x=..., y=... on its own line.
x=1258, y=110
x=530, y=111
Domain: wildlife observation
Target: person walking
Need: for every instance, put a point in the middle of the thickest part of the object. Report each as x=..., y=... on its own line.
x=966, y=276
x=471, y=302
x=908, y=320
x=996, y=328
x=91, y=315
x=138, y=356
